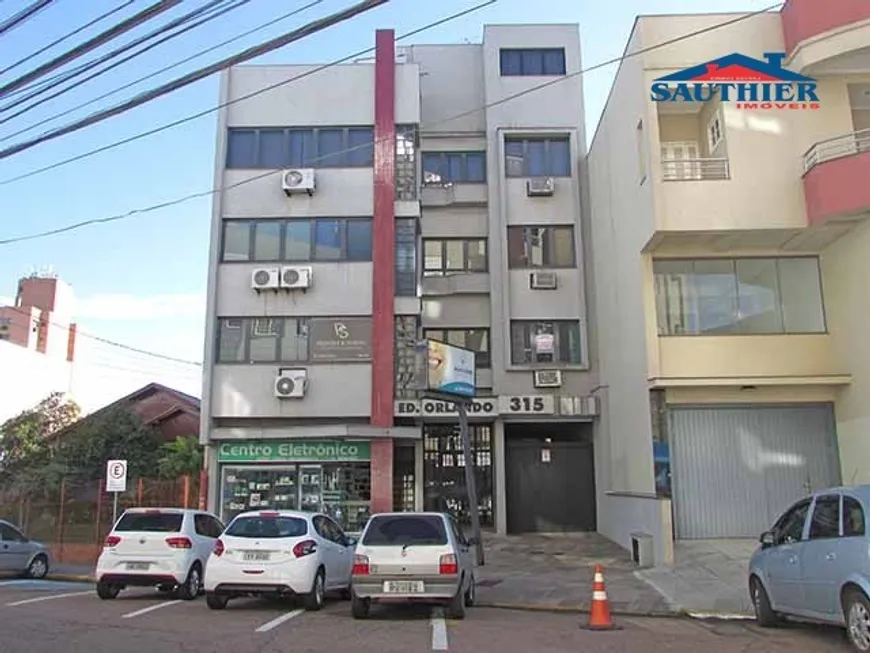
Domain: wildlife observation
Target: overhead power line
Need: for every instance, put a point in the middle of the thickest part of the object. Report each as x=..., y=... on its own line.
x=179, y=22
x=66, y=36
x=91, y=44
x=355, y=55
x=20, y=310
x=175, y=64
x=251, y=53
x=23, y=16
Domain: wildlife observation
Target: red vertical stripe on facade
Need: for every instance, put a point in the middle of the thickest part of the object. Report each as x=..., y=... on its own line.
x=383, y=230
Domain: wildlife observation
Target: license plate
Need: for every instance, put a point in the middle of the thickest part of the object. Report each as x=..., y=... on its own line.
x=255, y=556
x=138, y=566
x=404, y=587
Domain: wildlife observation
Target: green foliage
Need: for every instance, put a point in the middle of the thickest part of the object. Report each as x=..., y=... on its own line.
x=117, y=433
x=181, y=457
x=26, y=453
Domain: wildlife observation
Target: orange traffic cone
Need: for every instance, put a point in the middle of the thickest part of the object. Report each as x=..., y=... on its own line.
x=599, y=614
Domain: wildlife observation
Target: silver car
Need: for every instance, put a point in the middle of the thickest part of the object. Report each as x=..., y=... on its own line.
x=814, y=564
x=413, y=557
x=21, y=555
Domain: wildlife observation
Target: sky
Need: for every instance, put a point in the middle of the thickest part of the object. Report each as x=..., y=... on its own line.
x=142, y=281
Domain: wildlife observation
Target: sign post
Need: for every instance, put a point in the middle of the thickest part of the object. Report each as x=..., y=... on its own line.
x=116, y=482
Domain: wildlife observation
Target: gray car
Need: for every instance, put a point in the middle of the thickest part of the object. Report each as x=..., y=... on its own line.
x=413, y=557
x=814, y=564
x=20, y=555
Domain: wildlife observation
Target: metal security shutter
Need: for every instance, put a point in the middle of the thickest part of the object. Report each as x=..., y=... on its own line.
x=734, y=469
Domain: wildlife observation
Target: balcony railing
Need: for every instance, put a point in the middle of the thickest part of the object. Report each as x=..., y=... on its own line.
x=836, y=148
x=695, y=169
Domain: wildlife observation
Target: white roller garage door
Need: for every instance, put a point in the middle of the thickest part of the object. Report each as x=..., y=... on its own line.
x=734, y=469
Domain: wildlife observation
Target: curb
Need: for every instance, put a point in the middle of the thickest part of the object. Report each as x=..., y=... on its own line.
x=71, y=578
x=579, y=609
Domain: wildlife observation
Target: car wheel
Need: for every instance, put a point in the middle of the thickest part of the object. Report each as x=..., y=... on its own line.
x=456, y=607
x=216, y=601
x=857, y=612
x=315, y=598
x=38, y=567
x=189, y=590
x=471, y=592
x=107, y=591
x=764, y=614
x=359, y=607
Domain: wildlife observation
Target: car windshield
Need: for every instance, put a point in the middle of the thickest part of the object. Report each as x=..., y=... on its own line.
x=263, y=527
x=151, y=522
x=402, y=530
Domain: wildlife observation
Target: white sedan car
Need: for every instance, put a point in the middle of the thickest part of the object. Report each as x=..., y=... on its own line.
x=279, y=553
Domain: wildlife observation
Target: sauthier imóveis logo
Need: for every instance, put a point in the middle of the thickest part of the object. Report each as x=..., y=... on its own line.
x=746, y=82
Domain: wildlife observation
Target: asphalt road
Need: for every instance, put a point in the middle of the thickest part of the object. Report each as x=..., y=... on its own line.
x=46, y=617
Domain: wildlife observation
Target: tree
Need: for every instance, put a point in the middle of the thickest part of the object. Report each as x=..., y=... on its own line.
x=181, y=457
x=117, y=433
x=25, y=443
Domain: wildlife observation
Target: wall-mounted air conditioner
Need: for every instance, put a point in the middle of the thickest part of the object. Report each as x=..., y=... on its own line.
x=295, y=277
x=548, y=378
x=291, y=384
x=298, y=180
x=265, y=279
x=540, y=186
x=540, y=280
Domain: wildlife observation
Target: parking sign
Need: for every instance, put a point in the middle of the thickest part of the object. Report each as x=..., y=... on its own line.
x=116, y=476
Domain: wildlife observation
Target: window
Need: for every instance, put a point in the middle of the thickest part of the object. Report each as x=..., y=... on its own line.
x=739, y=296
x=150, y=522
x=537, y=157
x=320, y=239
x=397, y=530
x=475, y=339
x=286, y=340
x=714, y=133
x=454, y=167
x=853, y=518
x=267, y=527
x=825, y=523
x=406, y=257
x=541, y=247
x=330, y=147
x=790, y=527
x=548, y=342
x=528, y=62
x=454, y=256
x=207, y=526
x=11, y=534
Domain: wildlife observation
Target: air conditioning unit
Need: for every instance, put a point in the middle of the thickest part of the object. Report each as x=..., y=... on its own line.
x=540, y=186
x=291, y=384
x=548, y=378
x=295, y=277
x=542, y=280
x=298, y=180
x=265, y=279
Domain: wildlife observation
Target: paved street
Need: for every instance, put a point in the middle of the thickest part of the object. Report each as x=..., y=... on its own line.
x=45, y=617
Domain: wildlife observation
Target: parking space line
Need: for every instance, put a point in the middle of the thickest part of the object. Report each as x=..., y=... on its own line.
x=47, y=598
x=150, y=608
x=439, y=631
x=269, y=625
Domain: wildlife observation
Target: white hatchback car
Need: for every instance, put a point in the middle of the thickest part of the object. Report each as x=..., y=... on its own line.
x=413, y=557
x=167, y=548
x=279, y=553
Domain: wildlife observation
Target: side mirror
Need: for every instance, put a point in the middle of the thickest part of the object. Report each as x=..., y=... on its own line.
x=350, y=541
x=766, y=539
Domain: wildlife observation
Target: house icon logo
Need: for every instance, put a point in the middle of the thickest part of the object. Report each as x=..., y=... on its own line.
x=747, y=82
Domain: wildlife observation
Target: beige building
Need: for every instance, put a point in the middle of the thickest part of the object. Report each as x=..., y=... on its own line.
x=730, y=249
x=368, y=205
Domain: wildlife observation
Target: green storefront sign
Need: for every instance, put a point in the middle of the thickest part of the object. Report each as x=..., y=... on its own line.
x=275, y=451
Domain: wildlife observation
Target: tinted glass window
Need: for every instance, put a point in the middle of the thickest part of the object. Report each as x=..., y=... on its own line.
x=405, y=529
x=853, y=518
x=361, y=148
x=790, y=526
x=273, y=148
x=237, y=241
x=242, y=149
x=267, y=241
x=327, y=240
x=159, y=522
x=268, y=527
x=826, y=518
x=297, y=241
x=329, y=147
x=359, y=240
x=10, y=534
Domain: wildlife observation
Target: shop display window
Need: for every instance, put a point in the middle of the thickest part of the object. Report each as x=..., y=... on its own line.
x=340, y=490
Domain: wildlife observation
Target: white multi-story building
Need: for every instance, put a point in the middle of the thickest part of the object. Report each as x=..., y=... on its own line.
x=370, y=204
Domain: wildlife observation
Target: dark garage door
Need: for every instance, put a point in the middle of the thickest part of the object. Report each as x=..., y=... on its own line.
x=550, y=486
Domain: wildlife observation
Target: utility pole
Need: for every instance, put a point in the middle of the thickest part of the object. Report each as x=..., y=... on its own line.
x=470, y=481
